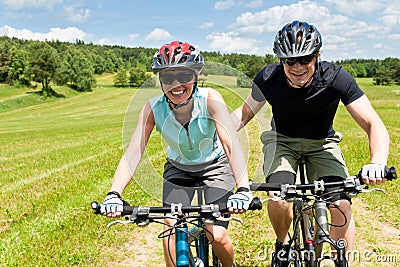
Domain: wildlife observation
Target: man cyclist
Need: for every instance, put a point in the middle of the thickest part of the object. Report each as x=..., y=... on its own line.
x=203, y=146
x=304, y=94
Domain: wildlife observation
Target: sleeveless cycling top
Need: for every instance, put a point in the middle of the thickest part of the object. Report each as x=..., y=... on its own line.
x=196, y=144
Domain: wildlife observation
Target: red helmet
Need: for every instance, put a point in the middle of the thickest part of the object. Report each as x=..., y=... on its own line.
x=177, y=55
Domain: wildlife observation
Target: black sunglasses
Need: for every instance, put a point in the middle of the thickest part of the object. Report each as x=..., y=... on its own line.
x=302, y=60
x=182, y=77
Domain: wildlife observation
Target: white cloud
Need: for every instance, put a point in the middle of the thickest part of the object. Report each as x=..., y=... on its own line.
x=351, y=7
x=222, y=5
x=230, y=42
x=272, y=19
x=40, y=4
x=379, y=46
x=340, y=34
x=110, y=41
x=254, y=4
x=69, y=34
x=395, y=36
x=76, y=15
x=158, y=35
x=206, y=25
x=391, y=17
x=133, y=36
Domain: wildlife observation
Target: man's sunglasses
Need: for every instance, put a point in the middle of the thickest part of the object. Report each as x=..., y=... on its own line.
x=302, y=60
x=182, y=77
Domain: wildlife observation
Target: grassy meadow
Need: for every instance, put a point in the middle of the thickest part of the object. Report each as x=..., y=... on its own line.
x=59, y=155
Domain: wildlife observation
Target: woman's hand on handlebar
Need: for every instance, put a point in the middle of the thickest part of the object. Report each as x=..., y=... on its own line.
x=112, y=205
x=240, y=201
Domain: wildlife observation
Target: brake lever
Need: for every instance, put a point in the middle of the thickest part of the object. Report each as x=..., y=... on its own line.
x=223, y=219
x=365, y=190
x=119, y=222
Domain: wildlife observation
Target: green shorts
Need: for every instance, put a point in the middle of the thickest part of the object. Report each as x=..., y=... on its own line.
x=323, y=156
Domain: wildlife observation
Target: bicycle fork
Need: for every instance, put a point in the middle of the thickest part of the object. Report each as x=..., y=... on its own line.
x=308, y=231
x=322, y=234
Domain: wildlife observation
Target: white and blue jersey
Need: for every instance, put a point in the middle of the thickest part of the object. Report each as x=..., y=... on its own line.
x=196, y=144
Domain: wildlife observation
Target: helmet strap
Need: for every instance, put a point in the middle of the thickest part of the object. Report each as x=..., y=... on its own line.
x=302, y=86
x=172, y=105
x=308, y=81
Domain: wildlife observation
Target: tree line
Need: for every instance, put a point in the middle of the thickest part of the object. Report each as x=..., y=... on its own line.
x=24, y=62
x=383, y=72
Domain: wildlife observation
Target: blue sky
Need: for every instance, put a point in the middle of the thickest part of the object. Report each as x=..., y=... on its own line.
x=350, y=28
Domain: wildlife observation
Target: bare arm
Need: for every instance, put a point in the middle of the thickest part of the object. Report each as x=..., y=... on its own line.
x=228, y=137
x=365, y=115
x=130, y=160
x=242, y=115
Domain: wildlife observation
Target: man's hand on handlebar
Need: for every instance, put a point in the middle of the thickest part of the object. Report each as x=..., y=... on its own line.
x=373, y=173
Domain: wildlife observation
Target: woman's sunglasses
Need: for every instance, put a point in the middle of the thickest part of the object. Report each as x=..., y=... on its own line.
x=302, y=60
x=182, y=77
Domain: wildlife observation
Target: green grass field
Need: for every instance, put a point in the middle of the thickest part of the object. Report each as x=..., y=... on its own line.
x=59, y=155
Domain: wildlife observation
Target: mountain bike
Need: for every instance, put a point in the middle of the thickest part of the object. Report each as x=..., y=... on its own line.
x=310, y=225
x=192, y=246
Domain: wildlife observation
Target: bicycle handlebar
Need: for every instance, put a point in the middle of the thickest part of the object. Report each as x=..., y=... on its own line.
x=350, y=184
x=128, y=210
x=141, y=214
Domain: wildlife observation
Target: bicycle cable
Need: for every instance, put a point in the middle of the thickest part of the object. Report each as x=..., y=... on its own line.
x=170, y=232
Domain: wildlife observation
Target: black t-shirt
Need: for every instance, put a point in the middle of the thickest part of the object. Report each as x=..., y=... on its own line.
x=306, y=112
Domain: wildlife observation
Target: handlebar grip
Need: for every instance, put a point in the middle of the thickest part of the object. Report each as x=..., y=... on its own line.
x=391, y=173
x=256, y=204
x=96, y=207
x=127, y=210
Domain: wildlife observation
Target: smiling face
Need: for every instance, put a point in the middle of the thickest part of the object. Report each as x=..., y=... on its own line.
x=300, y=73
x=177, y=84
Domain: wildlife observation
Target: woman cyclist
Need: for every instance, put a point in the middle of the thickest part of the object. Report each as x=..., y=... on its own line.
x=203, y=145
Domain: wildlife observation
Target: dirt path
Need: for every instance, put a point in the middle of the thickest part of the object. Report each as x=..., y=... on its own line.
x=143, y=250
x=377, y=243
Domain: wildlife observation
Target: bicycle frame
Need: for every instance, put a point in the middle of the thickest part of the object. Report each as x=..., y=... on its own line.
x=184, y=257
x=310, y=216
x=201, y=242
x=314, y=227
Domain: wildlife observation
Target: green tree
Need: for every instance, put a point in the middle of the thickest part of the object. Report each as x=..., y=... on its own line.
x=99, y=63
x=5, y=45
x=121, y=79
x=17, y=66
x=350, y=69
x=77, y=69
x=43, y=63
x=112, y=62
x=243, y=81
x=383, y=76
x=270, y=59
x=360, y=70
x=137, y=77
